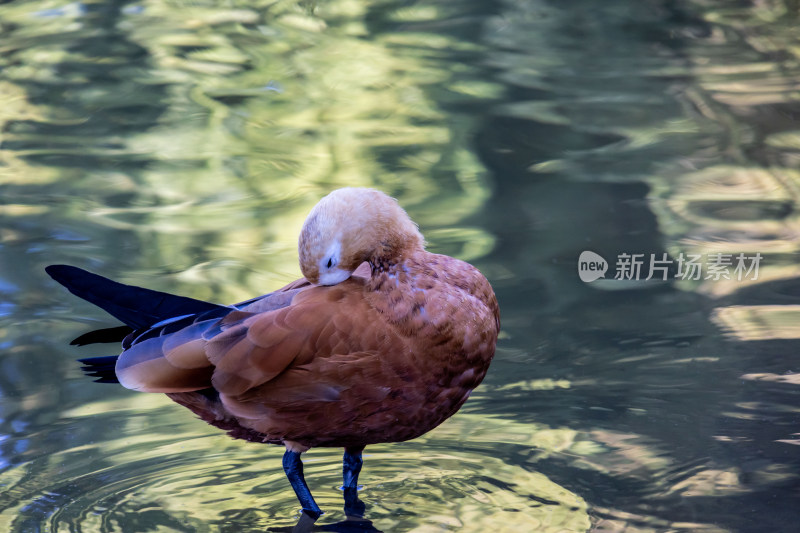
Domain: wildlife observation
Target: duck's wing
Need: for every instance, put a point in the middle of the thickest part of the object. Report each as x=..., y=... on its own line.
x=325, y=360
x=318, y=323
x=247, y=346
x=170, y=356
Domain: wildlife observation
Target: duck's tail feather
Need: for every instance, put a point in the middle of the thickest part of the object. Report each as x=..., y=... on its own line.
x=115, y=334
x=137, y=307
x=101, y=368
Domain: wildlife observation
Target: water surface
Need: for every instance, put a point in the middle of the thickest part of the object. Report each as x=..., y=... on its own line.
x=180, y=145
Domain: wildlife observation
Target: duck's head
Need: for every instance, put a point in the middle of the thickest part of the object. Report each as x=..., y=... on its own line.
x=350, y=226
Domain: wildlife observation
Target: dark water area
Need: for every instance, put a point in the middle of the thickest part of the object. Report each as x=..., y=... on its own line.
x=179, y=146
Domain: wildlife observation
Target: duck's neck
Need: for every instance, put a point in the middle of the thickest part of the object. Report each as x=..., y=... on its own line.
x=385, y=266
x=382, y=271
x=397, y=289
x=393, y=261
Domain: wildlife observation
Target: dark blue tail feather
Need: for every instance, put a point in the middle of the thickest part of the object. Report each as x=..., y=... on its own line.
x=137, y=307
x=101, y=368
x=115, y=334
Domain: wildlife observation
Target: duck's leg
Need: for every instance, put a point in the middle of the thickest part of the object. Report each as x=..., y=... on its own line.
x=294, y=471
x=351, y=467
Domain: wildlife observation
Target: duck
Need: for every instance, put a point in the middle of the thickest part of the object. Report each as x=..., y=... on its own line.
x=380, y=341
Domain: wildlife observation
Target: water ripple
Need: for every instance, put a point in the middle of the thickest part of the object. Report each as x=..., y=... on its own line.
x=163, y=475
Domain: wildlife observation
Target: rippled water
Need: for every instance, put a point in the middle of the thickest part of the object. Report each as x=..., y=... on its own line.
x=180, y=145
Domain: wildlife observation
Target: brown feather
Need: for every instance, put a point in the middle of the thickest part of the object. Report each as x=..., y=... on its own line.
x=191, y=354
x=151, y=372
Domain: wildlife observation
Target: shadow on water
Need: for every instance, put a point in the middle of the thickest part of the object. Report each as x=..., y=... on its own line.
x=179, y=147
x=686, y=434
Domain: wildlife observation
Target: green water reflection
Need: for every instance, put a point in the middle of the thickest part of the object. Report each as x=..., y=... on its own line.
x=180, y=145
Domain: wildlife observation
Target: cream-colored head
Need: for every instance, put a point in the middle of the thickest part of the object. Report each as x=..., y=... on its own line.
x=350, y=226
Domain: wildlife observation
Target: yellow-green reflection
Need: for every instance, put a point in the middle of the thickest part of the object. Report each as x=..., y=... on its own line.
x=159, y=459
x=179, y=146
x=760, y=322
x=738, y=193
x=258, y=110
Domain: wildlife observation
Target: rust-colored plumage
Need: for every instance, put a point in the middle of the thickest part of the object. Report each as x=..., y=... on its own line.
x=380, y=342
